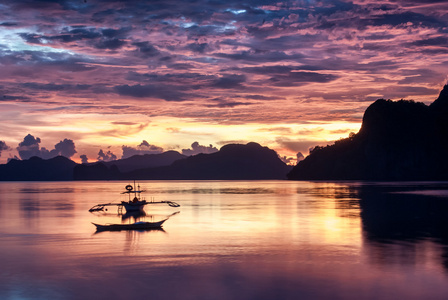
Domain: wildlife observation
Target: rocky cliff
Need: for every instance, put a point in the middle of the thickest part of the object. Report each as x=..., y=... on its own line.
x=398, y=140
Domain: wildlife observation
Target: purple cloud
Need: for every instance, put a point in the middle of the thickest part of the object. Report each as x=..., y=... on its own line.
x=3, y=147
x=84, y=159
x=143, y=148
x=196, y=149
x=65, y=148
x=30, y=147
x=108, y=156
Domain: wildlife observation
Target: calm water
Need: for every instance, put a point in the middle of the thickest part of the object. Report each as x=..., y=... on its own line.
x=231, y=240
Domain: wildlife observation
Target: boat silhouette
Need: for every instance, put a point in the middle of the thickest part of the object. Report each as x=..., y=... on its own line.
x=134, y=204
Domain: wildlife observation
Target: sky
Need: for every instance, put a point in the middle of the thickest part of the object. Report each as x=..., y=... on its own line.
x=101, y=80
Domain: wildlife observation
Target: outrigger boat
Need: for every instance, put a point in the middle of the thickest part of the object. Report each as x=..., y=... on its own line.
x=136, y=204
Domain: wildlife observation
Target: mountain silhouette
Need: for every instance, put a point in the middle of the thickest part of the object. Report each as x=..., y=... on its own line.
x=96, y=171
x=38, y=169
x=233, y=162
x=145, y=161
x=398, y=140
x=113, y=169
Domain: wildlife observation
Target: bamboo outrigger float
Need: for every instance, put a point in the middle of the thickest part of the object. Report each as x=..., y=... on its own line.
x=136, y=204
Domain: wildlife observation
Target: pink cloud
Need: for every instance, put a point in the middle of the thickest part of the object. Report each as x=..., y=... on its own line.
x=229, y=63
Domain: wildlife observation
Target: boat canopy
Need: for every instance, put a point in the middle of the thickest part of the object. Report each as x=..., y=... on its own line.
x=131, y=189
x=133, y=192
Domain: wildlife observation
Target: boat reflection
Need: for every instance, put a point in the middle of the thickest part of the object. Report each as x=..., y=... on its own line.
x=142, y=222
x=135, y=215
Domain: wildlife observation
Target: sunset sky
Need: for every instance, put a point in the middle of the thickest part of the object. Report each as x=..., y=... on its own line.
x=151, y=76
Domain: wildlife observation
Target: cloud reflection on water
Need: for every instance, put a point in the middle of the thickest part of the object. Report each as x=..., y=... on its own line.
x=290, y=239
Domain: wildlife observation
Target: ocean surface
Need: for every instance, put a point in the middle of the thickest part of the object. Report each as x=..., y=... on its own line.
x=227, y=240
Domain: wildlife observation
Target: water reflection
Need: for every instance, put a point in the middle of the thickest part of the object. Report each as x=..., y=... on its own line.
x=57, y=190
x=404, y=228
x=232, y=240
x=130, y=217
x=258, y=190
x=389, y=214
x=133, y=215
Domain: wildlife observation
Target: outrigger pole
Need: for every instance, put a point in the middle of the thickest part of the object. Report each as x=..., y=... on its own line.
x=132, y=205
x=100, y=207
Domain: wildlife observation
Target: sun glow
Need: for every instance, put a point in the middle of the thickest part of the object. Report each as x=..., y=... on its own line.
x=92, y=132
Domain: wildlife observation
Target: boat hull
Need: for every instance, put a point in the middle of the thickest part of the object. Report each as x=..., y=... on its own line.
x=134, y=226
x=134, y=206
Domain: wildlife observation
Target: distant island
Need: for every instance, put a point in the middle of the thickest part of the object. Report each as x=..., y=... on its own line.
x=232, y=162
x=398, y=140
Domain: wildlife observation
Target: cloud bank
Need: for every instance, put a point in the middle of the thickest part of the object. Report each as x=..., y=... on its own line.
x=106, y=156
x=196, y=149
x=143, y=148
x=30, y=147
x=264, y=53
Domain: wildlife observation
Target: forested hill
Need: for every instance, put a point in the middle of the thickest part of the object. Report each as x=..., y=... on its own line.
x=233, y=161
x=398, y=140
